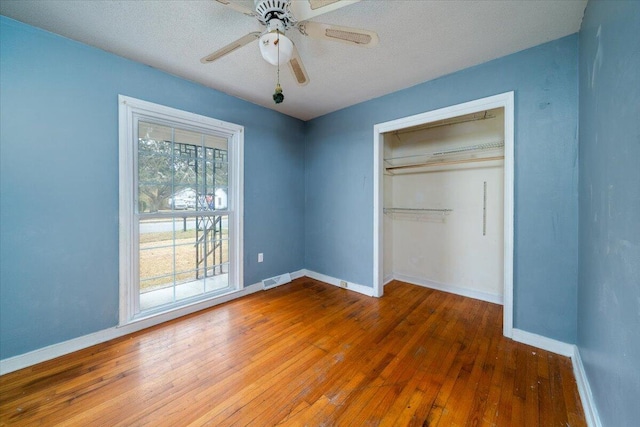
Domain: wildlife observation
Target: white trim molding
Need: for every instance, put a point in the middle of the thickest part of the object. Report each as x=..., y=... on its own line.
x=584, y=389
x=503, y=100
x=544, y=343
x=365, y=290
x=458, y=290
x=297, y=274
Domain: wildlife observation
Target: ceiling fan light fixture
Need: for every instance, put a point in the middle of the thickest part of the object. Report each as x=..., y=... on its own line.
x=269, y=45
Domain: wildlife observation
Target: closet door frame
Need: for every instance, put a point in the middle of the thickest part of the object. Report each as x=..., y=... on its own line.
x=503, y=100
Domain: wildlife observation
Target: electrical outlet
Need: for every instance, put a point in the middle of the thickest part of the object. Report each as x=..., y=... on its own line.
x=343, y=284
x=260, y=257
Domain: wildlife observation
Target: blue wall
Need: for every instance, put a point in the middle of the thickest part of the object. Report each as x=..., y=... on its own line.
x=609, y=236
x=59, y=182
x=59, y=119
x=339, y=173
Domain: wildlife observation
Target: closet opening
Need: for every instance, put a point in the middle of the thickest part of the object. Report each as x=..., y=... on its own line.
x=443, y=201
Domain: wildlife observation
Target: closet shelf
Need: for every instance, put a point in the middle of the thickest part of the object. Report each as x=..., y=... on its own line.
x=417, y=211
x=467, y=154
x=482, y=115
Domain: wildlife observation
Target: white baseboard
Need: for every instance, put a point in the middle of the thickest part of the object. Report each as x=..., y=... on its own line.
x=544, y=343
x=365, y=290
x=388, y=278
x=25, y=360
x=297, y=274
x=584, y=389
x=465, y=292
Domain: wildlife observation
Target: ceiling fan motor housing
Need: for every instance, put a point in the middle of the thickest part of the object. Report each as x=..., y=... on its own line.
x=275, y=9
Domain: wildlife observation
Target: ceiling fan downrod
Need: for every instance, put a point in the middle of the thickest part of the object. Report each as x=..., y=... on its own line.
x=275, y=9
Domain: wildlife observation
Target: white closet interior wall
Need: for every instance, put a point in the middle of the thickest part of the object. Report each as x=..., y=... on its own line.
x=462, y=248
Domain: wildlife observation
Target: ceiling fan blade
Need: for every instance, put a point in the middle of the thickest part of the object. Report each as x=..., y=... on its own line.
x=352, y=36
x=307, y=9
x=231, y=47
x=238, y=7
x=297, y=68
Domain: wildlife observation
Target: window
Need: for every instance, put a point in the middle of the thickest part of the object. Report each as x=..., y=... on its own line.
x=180, y=209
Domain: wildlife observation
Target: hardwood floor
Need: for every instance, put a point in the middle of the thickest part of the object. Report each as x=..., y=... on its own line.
x=306, y=353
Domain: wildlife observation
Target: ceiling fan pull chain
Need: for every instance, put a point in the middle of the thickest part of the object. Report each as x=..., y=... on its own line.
x=278, y=97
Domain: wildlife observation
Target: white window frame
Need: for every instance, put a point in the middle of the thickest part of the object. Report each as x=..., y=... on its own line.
x=131, y=111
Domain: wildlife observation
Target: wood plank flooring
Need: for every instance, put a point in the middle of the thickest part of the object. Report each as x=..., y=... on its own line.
x=306, y=353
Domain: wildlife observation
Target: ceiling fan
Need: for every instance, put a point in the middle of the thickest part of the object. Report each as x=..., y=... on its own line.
x=278, y=16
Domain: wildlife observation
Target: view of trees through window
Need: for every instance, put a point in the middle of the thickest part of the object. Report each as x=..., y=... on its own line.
x=179, y=176
x=182, y=203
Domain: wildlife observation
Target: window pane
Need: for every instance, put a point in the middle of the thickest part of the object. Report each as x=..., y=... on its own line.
x=154, y=131
x=155, y=183
x=184, y=256
x=216, y=142
x=153, y=198
x=181, y=258
x=213, y=250
x=156, y=261
x=184, y=198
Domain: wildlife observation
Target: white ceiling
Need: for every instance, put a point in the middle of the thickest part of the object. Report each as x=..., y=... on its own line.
x=419, y=40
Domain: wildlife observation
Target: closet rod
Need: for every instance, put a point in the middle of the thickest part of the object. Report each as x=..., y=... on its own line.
x=476, y=147
x=416, y=210
x=450, y=162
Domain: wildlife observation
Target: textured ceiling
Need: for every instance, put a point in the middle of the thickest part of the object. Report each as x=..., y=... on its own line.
x=419, y=41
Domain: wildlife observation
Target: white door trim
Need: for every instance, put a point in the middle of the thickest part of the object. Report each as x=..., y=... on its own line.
x=504, y=100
